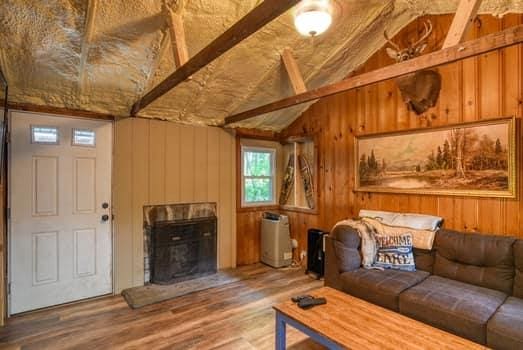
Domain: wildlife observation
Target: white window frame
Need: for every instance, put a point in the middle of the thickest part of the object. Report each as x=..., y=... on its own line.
x=272, y=152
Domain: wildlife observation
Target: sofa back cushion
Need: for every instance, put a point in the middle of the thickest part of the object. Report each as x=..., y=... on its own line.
x=346, y=241
x=485, y=261
x=518, y=260
x=424, y=259
x=346, y=235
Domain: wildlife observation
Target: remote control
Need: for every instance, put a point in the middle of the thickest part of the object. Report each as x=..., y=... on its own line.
x=298, y=298
x=308, y=303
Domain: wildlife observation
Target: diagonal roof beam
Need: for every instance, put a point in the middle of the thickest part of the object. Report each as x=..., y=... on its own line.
x=293, y=72
x=86, y=42
x=177, y=34
x=491, y=42
x=464, y=16
x=248, y=25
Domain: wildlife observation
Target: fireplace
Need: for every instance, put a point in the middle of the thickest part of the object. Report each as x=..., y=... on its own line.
x=180, y=242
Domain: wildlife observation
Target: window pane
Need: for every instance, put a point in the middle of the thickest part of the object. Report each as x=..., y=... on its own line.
x=257, y=163
x=44, y=134
x=258, y=190
x=83, y=137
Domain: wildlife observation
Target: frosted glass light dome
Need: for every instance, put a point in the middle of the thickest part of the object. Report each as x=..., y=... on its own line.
x=313, y=17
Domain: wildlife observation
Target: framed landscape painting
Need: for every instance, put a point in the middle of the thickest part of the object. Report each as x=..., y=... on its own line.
x=470, y=159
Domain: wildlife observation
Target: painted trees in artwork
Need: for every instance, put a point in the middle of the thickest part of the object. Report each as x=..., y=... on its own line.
x=464, y=151
x=370, y=166
x=464, y=158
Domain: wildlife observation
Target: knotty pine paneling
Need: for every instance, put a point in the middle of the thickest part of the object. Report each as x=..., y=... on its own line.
x=481, y=87
x=157, y=162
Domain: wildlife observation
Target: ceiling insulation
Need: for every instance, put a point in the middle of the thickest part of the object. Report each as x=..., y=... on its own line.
x=47, y=59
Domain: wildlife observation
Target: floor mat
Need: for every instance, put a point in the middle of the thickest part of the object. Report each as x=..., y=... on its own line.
x=138, y=297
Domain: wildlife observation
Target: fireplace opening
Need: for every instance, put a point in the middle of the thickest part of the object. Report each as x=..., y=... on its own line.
x=182, y=250
x=180, y=242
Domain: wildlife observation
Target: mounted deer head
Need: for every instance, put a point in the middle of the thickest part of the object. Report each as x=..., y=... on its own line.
x=419, y=90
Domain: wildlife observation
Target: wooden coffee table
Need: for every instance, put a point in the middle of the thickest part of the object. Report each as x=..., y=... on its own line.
x=349, y=322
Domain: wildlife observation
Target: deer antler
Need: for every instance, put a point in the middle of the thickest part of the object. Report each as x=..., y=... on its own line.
x=428, y=30
x=390, y=41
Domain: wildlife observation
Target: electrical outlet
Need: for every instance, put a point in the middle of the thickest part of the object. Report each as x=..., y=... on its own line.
x=303, y=254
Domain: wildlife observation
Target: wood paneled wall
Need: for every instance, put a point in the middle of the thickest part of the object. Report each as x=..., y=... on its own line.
x=159, y=162
x=482, y=87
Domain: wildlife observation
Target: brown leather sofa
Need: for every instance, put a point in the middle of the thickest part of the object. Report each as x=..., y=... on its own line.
x=468, y=284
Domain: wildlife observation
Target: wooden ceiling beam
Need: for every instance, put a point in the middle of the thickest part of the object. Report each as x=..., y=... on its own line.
x=464, y=16
x=177, y=34
x=68, y=112
x=86, y=41
x=499, y=40
x=248, y=25
x=293, y=72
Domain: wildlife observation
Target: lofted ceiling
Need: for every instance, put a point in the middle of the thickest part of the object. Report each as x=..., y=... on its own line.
x=48, y=61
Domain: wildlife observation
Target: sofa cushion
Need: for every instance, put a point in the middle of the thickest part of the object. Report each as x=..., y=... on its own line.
x=485, y=261
x=423, y=259
x=380, y=287
x=505, y=328
x=346, y=235
x=347, y=259
x=518, y=260
x=454, y=306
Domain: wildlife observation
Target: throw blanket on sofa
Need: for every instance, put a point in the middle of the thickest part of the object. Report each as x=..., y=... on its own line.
x=369, y=247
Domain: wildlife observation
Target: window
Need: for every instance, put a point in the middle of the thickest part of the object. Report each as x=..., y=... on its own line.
x=258, y=179
x=84, y=137
x=47, y=135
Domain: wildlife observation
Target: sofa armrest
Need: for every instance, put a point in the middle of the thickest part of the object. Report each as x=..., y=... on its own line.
x=332, y=272
x=341, y=254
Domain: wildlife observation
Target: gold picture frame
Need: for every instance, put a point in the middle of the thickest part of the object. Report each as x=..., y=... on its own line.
x=476, y=159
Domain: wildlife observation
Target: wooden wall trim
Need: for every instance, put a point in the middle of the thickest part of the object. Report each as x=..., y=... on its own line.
x=66, y=112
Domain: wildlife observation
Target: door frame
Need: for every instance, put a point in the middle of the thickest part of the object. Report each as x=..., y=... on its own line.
x=7, y=205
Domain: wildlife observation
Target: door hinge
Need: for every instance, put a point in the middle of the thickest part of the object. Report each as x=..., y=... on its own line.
x=9, y=288
x=8, y=137
x=8, y=213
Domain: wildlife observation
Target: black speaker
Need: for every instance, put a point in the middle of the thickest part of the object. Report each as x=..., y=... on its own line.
x=315, y=252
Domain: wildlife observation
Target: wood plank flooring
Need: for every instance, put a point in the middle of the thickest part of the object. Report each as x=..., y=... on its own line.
x=235, y=316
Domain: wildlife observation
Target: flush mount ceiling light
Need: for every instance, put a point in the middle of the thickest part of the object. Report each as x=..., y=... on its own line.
x=313, y=17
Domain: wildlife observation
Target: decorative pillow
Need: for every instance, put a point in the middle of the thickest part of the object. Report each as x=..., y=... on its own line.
x=395, y=252
x=421, y=239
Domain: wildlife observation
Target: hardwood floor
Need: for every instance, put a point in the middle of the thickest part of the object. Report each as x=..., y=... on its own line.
x=234, y=316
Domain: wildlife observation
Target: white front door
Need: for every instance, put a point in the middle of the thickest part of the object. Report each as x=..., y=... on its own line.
x=60, y=243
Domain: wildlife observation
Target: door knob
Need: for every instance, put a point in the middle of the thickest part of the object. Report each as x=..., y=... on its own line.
x=105, y=205
x=105, y=217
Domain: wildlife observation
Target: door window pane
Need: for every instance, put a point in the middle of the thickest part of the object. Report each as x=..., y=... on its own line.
x=44, y=135
x=84, y=137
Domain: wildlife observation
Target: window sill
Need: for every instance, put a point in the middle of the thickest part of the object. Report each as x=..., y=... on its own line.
x=251, y=208
x=299, y=210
